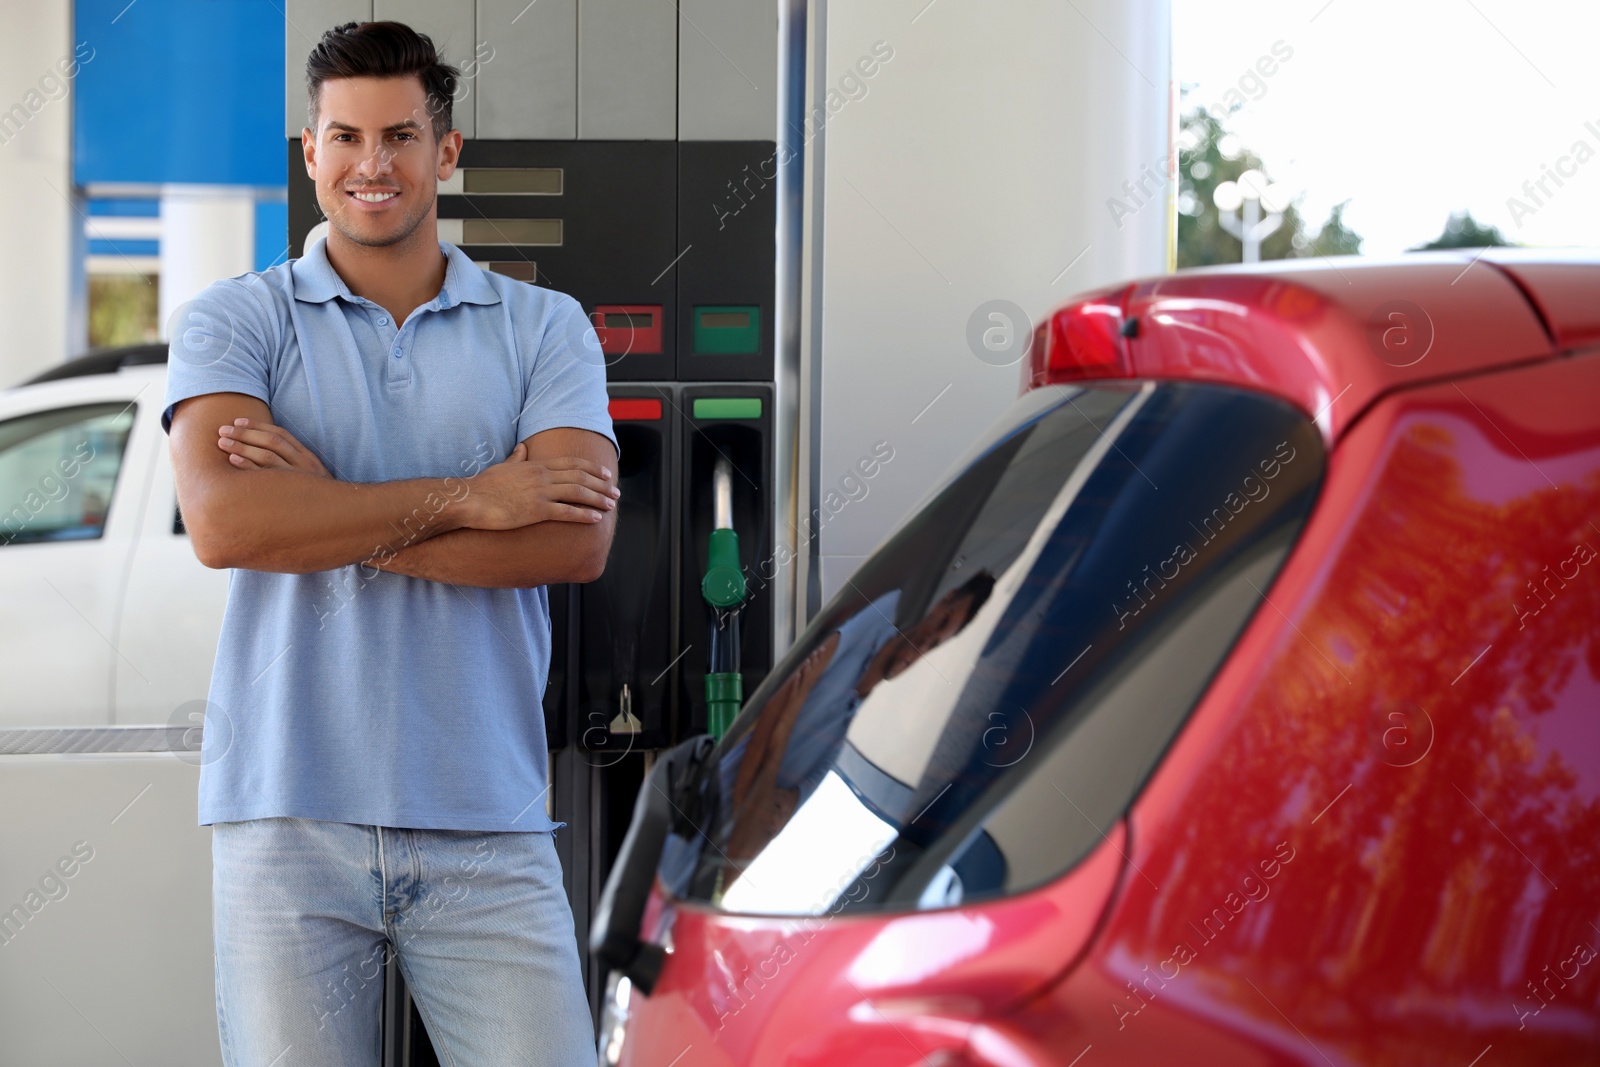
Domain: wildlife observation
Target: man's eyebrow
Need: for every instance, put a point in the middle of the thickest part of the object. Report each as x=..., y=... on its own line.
x=408, y=124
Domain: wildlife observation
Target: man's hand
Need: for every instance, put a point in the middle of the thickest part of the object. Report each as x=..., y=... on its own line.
x=540, y=553
x=520, y=492
x=514, y=493
x=255, y=445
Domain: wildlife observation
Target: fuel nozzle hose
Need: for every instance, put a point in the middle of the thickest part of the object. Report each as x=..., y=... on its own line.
x=724, y=590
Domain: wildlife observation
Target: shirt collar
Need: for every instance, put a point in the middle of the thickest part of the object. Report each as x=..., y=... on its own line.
x=315, y=280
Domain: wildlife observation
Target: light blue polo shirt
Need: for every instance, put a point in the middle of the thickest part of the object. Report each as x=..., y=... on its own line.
x=356, y=695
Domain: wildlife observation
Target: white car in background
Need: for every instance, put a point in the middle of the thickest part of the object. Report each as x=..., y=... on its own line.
x=106, y=616
x=108, y=631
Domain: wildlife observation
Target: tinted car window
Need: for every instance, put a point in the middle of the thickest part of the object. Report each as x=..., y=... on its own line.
x=985, y=697
x=58, y=470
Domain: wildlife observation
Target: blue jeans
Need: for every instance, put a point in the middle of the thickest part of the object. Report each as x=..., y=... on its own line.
x=307, y=913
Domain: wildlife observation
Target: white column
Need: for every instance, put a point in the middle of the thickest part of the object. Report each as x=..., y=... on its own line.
x=207, y=232
x=1016, y=152
x=36, y=214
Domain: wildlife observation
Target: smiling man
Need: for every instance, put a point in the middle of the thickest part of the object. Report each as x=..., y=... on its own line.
x=394, y=452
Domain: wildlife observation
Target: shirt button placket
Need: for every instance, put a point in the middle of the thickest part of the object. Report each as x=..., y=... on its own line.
x=399, y=373
x=396, y=348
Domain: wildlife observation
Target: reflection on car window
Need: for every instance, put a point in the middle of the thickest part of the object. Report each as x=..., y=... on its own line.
x=987, y=694
x=58, y=470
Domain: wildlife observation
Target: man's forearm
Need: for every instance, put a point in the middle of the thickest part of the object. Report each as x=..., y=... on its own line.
x=544, y=553
x=292, y=522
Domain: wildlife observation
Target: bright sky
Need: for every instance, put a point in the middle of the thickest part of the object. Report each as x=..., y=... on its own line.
x=1412, y=109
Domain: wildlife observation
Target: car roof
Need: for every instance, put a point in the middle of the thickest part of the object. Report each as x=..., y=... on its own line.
x=1334, y=334
x=103, y=361
x=1563, y=284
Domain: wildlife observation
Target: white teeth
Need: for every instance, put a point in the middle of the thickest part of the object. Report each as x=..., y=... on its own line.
x=373, y=198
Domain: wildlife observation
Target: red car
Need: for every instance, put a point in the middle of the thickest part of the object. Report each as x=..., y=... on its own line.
x=1236, y=702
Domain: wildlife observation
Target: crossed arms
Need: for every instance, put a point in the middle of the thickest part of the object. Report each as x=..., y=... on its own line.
x=256, y=498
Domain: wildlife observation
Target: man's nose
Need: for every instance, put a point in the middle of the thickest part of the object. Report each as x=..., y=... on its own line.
x=379, y=162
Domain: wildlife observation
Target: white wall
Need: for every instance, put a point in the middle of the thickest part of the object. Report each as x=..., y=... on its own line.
x=36, y=217
x=977, y=166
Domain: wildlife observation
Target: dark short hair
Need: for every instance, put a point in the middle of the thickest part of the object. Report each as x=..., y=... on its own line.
x=977, y=589
x=383, y=50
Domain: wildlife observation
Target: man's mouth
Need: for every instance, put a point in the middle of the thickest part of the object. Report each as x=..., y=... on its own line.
x=372, y=196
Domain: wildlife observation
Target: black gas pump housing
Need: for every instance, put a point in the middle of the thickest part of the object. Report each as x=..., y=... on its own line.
x=626, y=625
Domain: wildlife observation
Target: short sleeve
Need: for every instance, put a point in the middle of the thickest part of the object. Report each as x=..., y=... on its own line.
x=566, y=384
x=221, y=343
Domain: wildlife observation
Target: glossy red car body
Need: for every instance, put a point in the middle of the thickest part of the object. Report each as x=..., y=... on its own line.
x=1425, y=888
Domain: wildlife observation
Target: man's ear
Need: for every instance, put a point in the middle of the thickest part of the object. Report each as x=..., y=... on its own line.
x=308, y=149
x=449, y=154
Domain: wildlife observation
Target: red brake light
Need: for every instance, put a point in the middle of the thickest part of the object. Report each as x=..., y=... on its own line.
x=1082, y=340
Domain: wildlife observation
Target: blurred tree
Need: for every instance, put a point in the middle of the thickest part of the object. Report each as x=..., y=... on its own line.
x=123, y=310
x=1335, y=238
x=1464, y=231
x=1210, y=155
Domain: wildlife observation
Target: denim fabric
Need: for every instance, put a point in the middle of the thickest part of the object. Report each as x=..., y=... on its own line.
x=307, y=913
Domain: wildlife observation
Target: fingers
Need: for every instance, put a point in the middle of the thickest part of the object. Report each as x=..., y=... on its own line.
x=577, y=463
x=570, y=513
x=580, y=493
x=578, y=496
x=260, y=457
x=268, y=437
x=269, y=446
x=590, y=481
x=569, y=468
x=258, y=433
x=583, y=496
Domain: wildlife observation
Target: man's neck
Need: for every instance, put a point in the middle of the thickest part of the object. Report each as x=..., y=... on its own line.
x=399, y=278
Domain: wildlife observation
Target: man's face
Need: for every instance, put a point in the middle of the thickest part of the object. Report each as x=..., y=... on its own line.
x=375, y=138
x=943, y=621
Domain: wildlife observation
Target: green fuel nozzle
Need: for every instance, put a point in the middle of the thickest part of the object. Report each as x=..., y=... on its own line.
x=724, y=590
x=723, y=585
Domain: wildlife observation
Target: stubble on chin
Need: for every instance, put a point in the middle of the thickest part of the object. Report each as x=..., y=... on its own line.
x=340, y=219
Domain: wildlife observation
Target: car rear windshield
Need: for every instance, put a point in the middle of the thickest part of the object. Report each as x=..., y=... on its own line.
x=984, y=698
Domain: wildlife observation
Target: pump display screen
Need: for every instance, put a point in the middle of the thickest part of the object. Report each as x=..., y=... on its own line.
x=991, y=688
x=614, y=319
x=727, y=330
x=511, y=231
x=541, y=181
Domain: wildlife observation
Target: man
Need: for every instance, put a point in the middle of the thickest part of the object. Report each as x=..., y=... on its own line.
x=394, y=452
